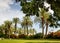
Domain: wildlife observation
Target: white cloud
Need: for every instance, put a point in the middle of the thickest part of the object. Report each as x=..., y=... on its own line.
x=46, y=4
x=51, y=11
x=5, y=3
x=6, y=13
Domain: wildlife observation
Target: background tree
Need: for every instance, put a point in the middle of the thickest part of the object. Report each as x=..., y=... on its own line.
x=26, y=23
x=23, y=26
x=32, y=31
x=2, y=29
x=20, y=29
x=32, y=8
x=8, y=25
x=15, y=20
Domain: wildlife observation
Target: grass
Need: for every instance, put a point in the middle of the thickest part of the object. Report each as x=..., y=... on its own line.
x=28, y=41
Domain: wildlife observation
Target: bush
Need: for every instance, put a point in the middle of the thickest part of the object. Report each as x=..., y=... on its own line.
x=23, y=36
x=2, y=35
x=36, y=36
x=14, y=36
x=50, y=36
x=55, y=35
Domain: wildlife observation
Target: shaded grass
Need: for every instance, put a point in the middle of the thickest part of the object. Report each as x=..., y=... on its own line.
x=28, y=41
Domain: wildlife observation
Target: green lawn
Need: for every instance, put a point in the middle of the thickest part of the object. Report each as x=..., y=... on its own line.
x=28, y=41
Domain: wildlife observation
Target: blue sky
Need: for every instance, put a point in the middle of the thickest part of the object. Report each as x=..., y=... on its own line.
x=9, y=9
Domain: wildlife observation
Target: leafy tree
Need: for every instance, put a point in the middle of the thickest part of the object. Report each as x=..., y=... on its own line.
x=55, y=6
x=31, y=7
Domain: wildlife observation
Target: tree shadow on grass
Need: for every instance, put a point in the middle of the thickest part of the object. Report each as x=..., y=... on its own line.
x=42, y=42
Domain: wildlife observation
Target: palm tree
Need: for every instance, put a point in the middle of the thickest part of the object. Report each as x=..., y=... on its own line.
x=26, y=23
x=47, y=19
x=15, y=20
x=23, y=25
x=42, y=19
x=8, y=26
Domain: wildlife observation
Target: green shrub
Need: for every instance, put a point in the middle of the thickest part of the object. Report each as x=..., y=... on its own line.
x=52, y=35
x=23, y=36
x=14, y=36
x=2, y=35
x=36, y=36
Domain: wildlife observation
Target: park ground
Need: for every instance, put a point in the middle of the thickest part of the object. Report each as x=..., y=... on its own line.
x=28, y=41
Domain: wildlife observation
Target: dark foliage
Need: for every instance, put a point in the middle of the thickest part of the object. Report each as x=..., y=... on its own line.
x=36, y=36
x=22, y=36
x=50, y=35
x=2, y=35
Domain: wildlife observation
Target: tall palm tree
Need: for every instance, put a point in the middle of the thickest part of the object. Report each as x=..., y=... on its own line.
x=8, y=26
x=15, y=20
x=47, y=19
x=42, y=19
x=45, y=15
x=23, y=25
x=26, y=23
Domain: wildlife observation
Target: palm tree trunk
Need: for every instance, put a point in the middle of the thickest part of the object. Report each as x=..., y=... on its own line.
x=27, y=27
x=15, y=27
x=33, y=31
x=9, y=31
x=9, y=34
x=6, y=32
x=27, y=30
x=46, y=28
x=24, y=30
x=43, y=27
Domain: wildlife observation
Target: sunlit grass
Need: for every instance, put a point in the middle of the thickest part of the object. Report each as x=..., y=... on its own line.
x=28, y=41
